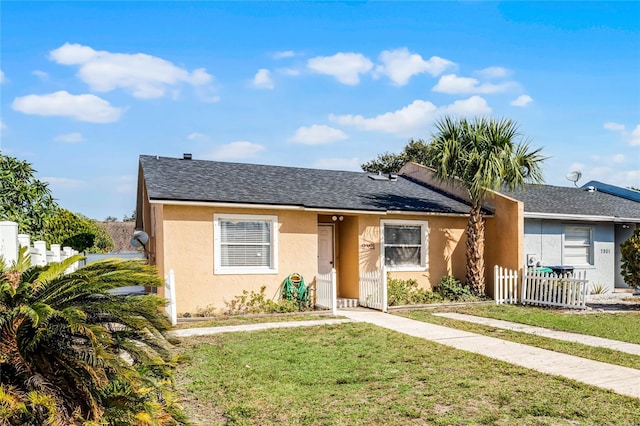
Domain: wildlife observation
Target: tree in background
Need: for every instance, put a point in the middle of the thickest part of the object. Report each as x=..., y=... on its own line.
x=28, y=202
x=630, y=251
x=415, y=151
x=481, y=155
x=78, y=232
x=25, y=199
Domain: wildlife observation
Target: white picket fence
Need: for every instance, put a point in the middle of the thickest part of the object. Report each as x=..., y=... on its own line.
x=326, y=291
x=538, y=288
x=170, y=295
x=11, y=241
x=373, y=290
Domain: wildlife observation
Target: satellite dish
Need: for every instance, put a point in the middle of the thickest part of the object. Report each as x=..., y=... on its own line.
x=574, y=177
x=139, y=239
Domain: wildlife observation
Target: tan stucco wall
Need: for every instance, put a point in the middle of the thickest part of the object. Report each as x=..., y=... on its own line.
x=347, y=267
x=189, y=229
x=504, y=237
x=446, y=247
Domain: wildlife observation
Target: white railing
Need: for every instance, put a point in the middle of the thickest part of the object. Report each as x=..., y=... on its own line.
x=505, y=286
x=538, y=288
x=326, y=291
x=565, y=290
x=11, y=241
x=170, y=295
x=373, y=289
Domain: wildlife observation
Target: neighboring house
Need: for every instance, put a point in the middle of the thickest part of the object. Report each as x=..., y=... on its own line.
x=579, y=227
x=228, y=227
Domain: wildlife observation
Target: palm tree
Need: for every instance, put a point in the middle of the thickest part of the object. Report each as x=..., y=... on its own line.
x=72, y=352
x=481, y=155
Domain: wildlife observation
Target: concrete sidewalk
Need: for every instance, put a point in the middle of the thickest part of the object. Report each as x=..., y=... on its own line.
x=204, y=331
x=622, y=380
x=630, y=348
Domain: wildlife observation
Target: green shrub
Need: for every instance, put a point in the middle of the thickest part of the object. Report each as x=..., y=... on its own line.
x=257, y=303
x=630, y=251
x=407, y=292
x=452, y=289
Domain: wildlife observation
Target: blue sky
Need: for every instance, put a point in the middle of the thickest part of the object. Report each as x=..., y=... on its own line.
x=88, y=87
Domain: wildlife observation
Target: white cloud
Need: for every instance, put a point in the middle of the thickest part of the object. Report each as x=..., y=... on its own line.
x=143, y=75
x=40, y=74
x=616, y=127
x=352, y=164
x=522, y=101
x=195, y=136
x=241, y=149
x=284, y=54
x=634, y=138
x=3, y=127
x=2, y=77
x=493, y=72
x=317, y=135
x=126, y=184
x=89, y=108
x=63, y=183
x=453, y=84
x=345, y=67
x=263, y=80
x=618, y=158
x=400, y=65
x=415, y=117
x=70, y=138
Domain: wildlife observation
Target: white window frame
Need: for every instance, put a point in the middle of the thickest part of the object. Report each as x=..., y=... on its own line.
x=565, y=261
x=218, y=269
x=424, y=241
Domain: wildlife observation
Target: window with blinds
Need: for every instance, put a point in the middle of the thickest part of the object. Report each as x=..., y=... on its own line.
x=405, y=244
x=244, y=244
x=578, y=244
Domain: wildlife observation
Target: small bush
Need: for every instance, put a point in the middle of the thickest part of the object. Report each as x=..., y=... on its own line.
x=407, y=292
x=257, y=303
x=453, y=290
x=630, y=251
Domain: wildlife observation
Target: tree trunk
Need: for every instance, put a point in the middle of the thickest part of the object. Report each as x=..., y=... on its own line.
x=475, y=251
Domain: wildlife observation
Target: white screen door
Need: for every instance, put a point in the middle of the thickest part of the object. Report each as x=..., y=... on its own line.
x=325, y=249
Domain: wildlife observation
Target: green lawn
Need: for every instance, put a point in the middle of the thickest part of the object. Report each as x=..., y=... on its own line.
x=616, y=326
x=356, y=373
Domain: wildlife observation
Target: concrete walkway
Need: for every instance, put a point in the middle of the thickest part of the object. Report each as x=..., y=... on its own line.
x=622, y=380
x=630, y=348
x=204, y=331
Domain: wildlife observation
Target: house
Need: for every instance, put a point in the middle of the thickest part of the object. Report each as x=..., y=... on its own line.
x=579, y=227
x=228, y=227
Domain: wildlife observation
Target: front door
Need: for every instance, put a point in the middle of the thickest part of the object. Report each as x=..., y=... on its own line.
x=325, y=249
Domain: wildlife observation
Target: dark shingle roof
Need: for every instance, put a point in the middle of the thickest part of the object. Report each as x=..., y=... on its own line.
x=574, y=201
x=213, y=181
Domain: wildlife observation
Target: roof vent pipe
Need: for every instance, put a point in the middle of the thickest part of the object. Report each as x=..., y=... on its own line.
x=186, y=156
x=591, y=189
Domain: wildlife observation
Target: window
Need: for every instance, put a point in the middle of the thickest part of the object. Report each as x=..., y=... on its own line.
x=578, y=244
x=245, y=244
x=405, y=245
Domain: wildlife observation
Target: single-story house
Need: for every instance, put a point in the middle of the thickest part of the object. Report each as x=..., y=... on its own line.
x=579, y=227
x=228, y=227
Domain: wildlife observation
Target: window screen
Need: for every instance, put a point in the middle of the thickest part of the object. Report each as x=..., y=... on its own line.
x=577, y=245
x=245, y=243
x=402, y=245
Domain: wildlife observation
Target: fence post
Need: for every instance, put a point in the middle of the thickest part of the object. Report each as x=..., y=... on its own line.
x=497, y=287
x=171, y=284
x=40, y=258
x=385, y=290
x=9, y=241
x=334, y=292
